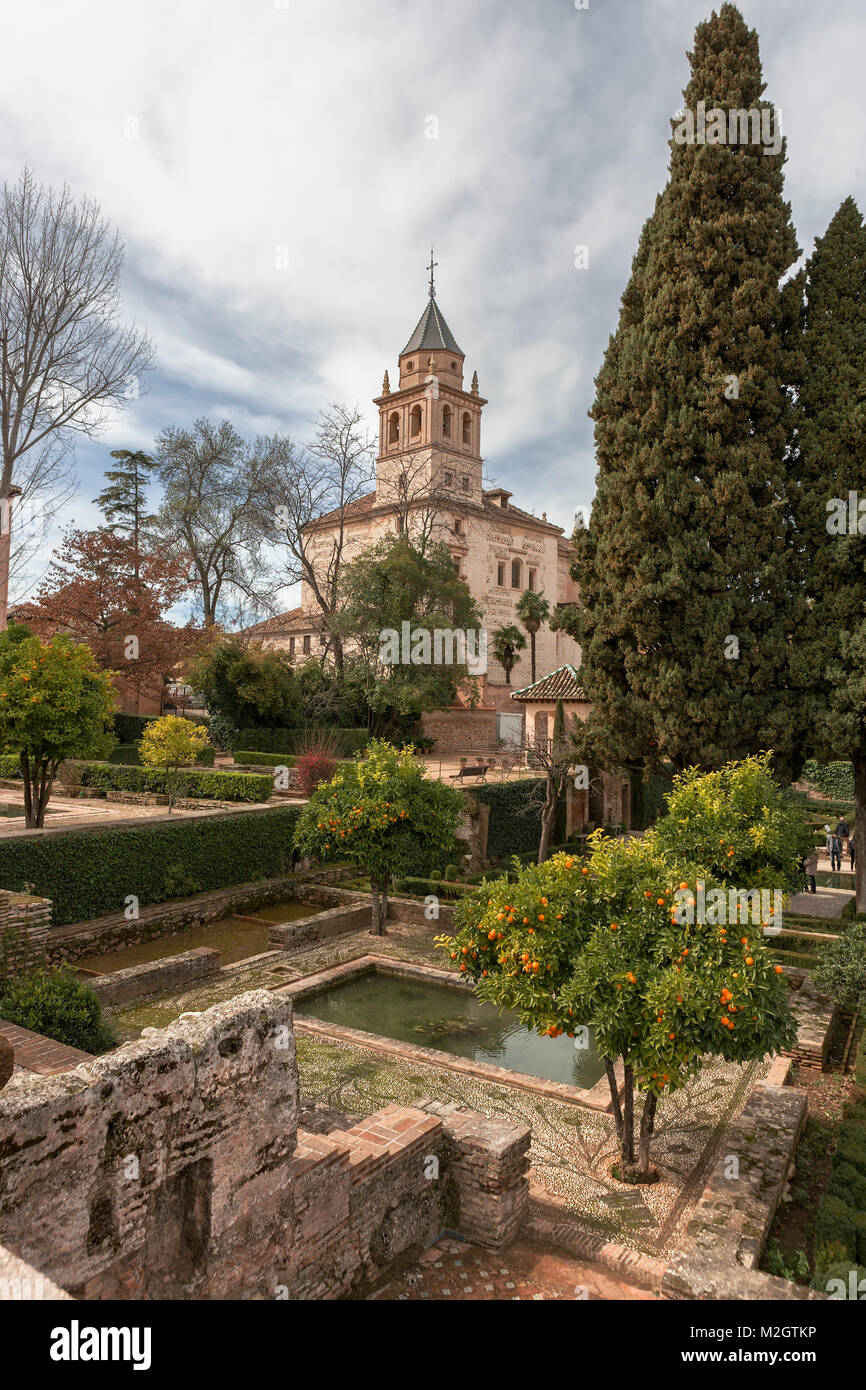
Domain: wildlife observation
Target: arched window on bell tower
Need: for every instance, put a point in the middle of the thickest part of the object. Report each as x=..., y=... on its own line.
x=467, y=427
x=446, y=422
x=415, y=422
x=394, y=428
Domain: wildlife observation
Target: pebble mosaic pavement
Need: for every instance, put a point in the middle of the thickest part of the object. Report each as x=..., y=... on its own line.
x=572, y=1149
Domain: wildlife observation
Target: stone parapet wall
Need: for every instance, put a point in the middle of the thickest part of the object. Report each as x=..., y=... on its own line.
x=113, y=931
x=726, y=1235
x=139, y=981
x=162, y=1169
x=175, y=1168
x=321, y=926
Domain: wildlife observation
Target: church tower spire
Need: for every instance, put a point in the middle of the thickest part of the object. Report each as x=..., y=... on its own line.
x=430, y=424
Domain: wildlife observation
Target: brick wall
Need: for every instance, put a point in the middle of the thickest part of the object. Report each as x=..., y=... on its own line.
x=175, y=1167
x=25, y=923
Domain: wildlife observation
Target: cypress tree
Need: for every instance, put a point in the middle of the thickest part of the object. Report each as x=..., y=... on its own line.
x=831, y=517
x=687, y=571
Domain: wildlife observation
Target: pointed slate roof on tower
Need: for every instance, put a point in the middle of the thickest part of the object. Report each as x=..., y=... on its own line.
x=432, y=332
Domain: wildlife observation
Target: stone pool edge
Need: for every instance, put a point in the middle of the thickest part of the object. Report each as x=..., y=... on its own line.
x=596, y=1097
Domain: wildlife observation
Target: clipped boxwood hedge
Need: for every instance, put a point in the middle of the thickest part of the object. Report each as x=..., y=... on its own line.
x=514, y=826
x=252, y=758
x=90, y=872
x=349, y=741
x=209, y=786
x=833, y=780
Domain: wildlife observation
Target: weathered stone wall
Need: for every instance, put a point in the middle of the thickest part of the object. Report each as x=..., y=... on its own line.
x=175, y=1168
x=113, y=931
x=161, y=1170
x=727, y=1232
x=172, y=972
x=321, y=926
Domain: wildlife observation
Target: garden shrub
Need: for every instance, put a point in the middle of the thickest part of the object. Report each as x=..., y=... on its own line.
x=514, y=826
x=58, y=1005
x=209, y=786
x=848, y=1184
x=126, y=753
x=10, y=765
x=179, y=884
x=254, y=759
x=851, y=1150
x=833, y=780
x=835, y=1223
x=128, y=728
x=314, y=767
x=90, y=872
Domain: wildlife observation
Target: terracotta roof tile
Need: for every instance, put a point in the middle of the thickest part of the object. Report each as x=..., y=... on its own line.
x=561, y=684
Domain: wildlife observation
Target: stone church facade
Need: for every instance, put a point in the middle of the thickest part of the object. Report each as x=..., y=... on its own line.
x=429, y=482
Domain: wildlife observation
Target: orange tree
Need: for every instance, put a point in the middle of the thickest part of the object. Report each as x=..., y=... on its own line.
x=602, y=943
x=54, y=704
x=737, y=824
x=382, y=812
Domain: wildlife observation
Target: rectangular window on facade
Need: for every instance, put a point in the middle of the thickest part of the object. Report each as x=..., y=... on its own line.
x=500, y=574
x=464, y=483
x=291, y=646
x=531, y=581
x=515, y=574
x=307, y=645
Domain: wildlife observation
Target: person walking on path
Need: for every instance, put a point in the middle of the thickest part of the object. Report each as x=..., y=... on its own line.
x=829, y=833
x=811, y=868
x=835, y=854
x=842, y=831
x=852, y=852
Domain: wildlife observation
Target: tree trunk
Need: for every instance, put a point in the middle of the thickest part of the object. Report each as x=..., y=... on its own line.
x=859, y=765
x=647, y=1129
x=532, y=654
x=380, y=905
x=28, y=793
x=626, y=1143
x=614, y=1095
x=547, y=818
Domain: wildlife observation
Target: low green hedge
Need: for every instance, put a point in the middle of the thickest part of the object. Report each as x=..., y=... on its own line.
x=129, y=755
x=840, y=1226
x=514, y=825
x=208, y=786
x=90, y=872
x=254, y=759
x=10, y=765
x=349, y=741
x=834, y=780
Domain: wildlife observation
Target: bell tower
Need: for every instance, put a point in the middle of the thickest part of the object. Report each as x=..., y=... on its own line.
x=430, y=425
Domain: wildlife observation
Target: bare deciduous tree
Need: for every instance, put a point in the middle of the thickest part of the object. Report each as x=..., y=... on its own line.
x=65, y=354
x=306, y=508
x=213, y=484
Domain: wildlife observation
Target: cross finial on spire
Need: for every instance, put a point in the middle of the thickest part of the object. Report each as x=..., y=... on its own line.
x=431, y=267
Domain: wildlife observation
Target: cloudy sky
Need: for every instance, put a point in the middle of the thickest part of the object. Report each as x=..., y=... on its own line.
x=269, y=166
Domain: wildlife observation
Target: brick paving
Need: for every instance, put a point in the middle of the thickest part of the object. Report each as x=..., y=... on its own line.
x=42, y=1055
x=523, y=1273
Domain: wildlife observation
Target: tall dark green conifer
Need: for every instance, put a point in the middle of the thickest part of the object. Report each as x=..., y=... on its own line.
x=124, y=503
x=831, y=645
x=688, y=594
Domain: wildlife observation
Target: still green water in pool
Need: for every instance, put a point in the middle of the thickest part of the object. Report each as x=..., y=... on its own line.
x=452, y=1020
x=235, y=938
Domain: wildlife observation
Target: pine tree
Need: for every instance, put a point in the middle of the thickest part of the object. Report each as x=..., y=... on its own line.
x=124, y=503
x=831, y=644
x=687, y=571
